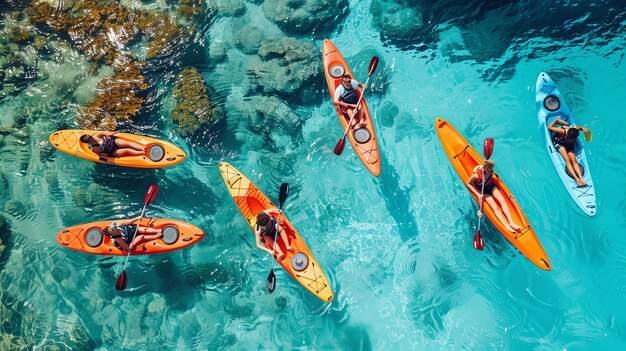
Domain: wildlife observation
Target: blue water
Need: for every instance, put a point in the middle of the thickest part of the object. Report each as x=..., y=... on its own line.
x=397, y=248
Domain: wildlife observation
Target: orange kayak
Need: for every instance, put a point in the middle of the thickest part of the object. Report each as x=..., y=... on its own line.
x=464, y=159
x=158, y=153
x=300, y=264
x=90, y=239
x=364, y=144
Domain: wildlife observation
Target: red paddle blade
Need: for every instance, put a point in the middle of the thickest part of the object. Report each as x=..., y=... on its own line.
x=488, y=148
x=151, y=193
x=120, y=284
x=339, y=147
x=478, y=241
x=373, y=65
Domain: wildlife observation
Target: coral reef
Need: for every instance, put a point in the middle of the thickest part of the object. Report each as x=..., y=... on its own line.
x=193, y=108
x=117, y=98
x=104, y=34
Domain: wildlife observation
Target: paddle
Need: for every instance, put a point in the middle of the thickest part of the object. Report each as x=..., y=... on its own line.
x=588, y=136
x=282, y=196
x=342, y=142
x=487, y=151
x=151, y=193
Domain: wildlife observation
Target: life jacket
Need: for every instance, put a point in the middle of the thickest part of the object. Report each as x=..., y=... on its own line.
x=349, y=96
x=107, y=145
x=478, y=183
x=270, y=228
x=563, y=139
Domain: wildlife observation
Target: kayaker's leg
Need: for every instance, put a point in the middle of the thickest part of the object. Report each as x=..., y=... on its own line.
x=146, y=234
x=124, y=144
x=569, y=167
x=505, y=208
x=350, y=113
x=127, y=152
x=492, y=203
x=361, y=117
x=270, y=242
x=576, y=167
x=283, y=236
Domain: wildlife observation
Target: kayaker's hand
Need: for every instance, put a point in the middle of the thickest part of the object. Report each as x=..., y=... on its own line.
x=585, y=130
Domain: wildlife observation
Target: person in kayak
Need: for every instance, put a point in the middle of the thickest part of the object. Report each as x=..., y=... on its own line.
x=564, y=140
x=265, y=231
x=122, y=233
x=109, y=145
x=491, y=191
x=347, y=96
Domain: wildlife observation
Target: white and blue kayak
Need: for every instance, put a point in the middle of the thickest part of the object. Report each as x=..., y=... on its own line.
x=550, y=105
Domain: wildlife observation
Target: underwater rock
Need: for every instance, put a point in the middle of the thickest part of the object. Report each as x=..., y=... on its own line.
x=157, y=305
x=193, y=108
x=287, y=66
x=189, y=325
x=10, y=342
x=266, y=113
x=249, y=39
x=302, y=16
x=395, y=19
x=388, y=112
x=228, y=8
x=217, y=52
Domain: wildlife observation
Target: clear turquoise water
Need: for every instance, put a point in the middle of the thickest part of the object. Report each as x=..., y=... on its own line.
x=397, y=249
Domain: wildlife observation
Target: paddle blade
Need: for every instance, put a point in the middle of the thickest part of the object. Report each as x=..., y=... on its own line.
x=373, y=65
x=339, y=147
x=588, y=136
x=120, y=284
x=282, y=193
x=478, y=241
x=151, y=193
x=271, y=281
x=488, y=148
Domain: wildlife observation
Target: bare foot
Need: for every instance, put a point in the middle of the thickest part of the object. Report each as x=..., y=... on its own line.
x=508, y=227
x=515, y=227
x=290, y=249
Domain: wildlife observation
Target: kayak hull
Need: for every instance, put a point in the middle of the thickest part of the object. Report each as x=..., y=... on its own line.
x=76, y=238
x=368, y=151
x=250, y=201
x=169, y=154
x=585, y=197
x=464, y=159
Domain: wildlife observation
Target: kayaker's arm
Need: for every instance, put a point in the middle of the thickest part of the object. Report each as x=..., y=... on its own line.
x=273, y=211
x=470, y=185
x=120, y=241
x=554, y=129
x=343, y=104
x=259, y=244
x=582, y=129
